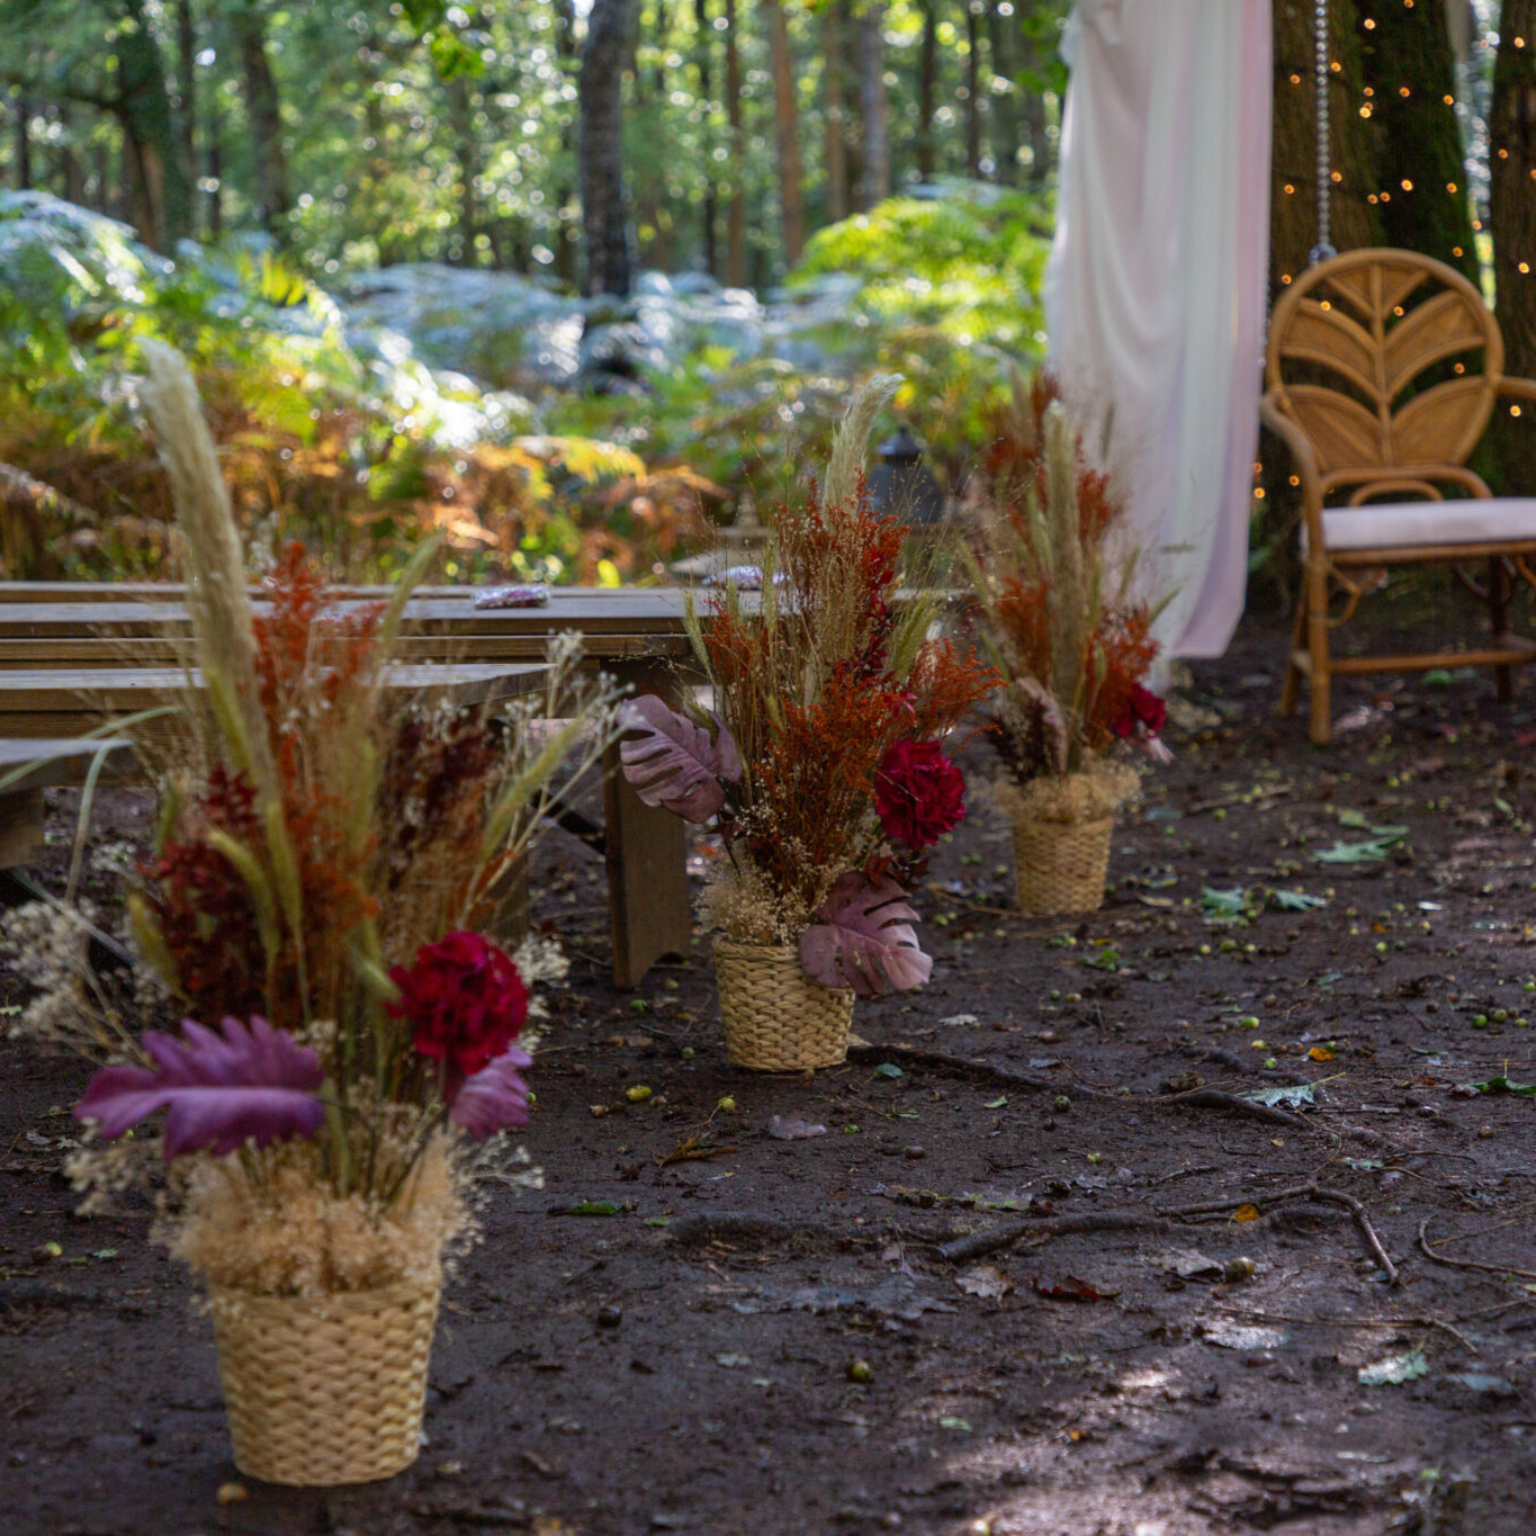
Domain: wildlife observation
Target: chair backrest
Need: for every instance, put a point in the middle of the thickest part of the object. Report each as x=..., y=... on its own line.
x=1353, y=334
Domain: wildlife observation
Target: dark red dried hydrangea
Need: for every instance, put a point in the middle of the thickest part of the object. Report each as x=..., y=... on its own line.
x=919, y=793
x=464, y=1000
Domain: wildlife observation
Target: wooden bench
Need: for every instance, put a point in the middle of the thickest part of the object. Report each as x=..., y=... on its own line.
x=637, y=635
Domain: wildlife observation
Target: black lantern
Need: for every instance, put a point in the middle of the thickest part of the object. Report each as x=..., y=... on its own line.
x=902, y=488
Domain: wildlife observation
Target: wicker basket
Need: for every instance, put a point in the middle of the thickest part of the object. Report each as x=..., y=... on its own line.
x=326, y=1390
x=776, y=1018
x=1059, y=867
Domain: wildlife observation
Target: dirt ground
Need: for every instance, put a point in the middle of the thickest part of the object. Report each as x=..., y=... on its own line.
x=771, y=1340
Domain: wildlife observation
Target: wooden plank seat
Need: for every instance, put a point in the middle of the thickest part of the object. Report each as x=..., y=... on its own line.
x=68, y=701
x=1382, y=370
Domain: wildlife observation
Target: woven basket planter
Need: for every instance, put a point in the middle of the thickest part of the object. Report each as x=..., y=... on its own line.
x=1060, y=867
x=776, y=1018
x=327, y=1390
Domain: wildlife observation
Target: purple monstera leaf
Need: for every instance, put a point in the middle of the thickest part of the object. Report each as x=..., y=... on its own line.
x=676, y=763
x=494, y=1098
x=865, y=939
x=256, y=1083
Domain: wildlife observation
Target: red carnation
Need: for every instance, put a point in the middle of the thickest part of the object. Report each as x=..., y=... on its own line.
x=919, y=793
x=465, y=1002
x=1144, y=714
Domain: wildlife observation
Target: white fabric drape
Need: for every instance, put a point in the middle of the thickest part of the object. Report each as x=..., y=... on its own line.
x=1156, y=287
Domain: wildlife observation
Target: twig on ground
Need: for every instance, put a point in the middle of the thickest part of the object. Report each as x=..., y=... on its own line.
x=1357, y=1322
x=978, y=1244
x=1478, y=1264
x=1215, y=1098
x=1005, y=1234
x=1304, y=1192
x=986, y=1071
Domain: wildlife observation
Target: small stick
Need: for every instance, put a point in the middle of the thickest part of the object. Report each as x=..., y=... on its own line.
x=979, y=1244
x=1307, y=1192
x=1358, y=1322
x=1490, y=1269
x=1214, y=1098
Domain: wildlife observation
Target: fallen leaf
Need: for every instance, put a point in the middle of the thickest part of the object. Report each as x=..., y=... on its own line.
x=1394, y=1370
x=953, y=1423
x=888, y=1069
x=1246, y=1213
x=1227, y=1335
x=692, y=1151
x=794, y=1128
x=959, y=1021
x=1321, y=1053
x=1292, y=1096
x=997, y=1103
x=1070, y=1288
x=984, y=1280
x=1191, y=1264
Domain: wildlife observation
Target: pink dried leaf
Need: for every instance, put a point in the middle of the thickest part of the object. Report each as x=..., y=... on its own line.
x=674, y=763
x=865, y=939
x=256, y=1083
x=1051, y=717
x=495, y=1098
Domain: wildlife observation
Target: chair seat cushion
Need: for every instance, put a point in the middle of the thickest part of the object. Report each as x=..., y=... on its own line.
x=1423, y=524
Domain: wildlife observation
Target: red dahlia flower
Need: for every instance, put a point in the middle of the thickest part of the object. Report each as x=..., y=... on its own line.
x=919, y=793
x=1144, y=714
x=465, y=1002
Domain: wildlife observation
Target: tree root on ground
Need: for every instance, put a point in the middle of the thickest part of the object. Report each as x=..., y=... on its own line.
x=1163, y=1222
x=1477, y=1264
x=1009, y=1077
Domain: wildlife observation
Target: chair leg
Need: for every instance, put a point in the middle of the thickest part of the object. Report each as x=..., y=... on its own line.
x=1498, y=618
x=1290, y=689
x=1321, y=722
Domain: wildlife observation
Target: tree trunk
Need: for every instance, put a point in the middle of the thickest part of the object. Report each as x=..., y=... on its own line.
x=711, y=211
x=186, y=90
x=567, y=247
x=736, y=210
x=787, y=123
x=71, y=175
x=1293, y=222
x=264, y=110
x=834, y=46
x=1512, y=155
x=604, y=208
x=972, y=94
x=1004, y=103
x=1421, y=177
x=466, y=153
x=927, y=88
x=875, y=180
x=1293, y=218
x=160, y=189
x=23, y=142
x=214, y=140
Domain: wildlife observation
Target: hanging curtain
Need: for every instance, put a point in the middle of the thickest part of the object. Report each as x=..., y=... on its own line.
x=1156, y=286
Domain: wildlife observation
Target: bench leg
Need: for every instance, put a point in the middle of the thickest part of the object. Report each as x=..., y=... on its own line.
x=21, y=827
x=648, y=899
x=1498, y=617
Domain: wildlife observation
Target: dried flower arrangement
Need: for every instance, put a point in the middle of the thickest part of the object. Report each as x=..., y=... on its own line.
x=1058, y=612
x=823, y=760
x=326, y=855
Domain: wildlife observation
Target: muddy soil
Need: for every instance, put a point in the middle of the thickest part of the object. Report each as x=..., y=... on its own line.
x=770, y=1339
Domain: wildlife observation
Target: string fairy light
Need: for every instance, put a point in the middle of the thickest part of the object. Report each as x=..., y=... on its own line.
x=1324, y=249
